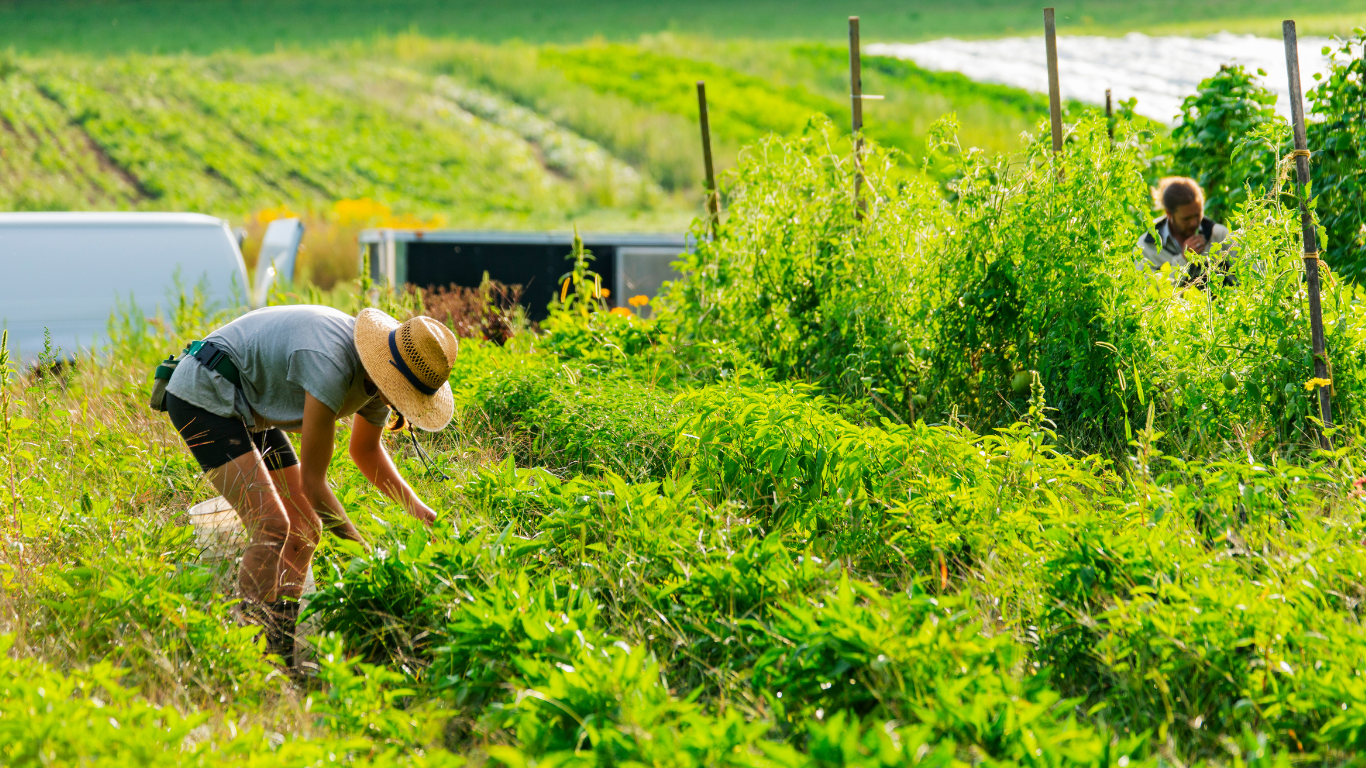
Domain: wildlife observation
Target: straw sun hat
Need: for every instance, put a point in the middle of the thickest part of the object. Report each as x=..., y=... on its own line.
x=411, y=363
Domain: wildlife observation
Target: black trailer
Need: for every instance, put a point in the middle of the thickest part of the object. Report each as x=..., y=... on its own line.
x=630, y=264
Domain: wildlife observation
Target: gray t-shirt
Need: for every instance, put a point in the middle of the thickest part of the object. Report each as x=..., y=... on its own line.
x=283, y=352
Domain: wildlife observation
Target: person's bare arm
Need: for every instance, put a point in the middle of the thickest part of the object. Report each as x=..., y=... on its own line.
x=367, y=450
x=319, y=438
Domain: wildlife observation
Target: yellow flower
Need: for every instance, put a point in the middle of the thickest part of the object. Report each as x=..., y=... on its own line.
x=1314, y=383
x=360, y=211
x=366, y=212
x=638, y=301
x=267, y=215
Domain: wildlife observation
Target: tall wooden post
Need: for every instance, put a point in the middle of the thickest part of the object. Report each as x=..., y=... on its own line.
x=856, y=108
x=1109, y=116
x=1311, y=242
x=713, y=197
x=1054, y=96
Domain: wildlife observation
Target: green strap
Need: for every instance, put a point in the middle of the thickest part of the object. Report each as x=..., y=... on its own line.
x=224, y=366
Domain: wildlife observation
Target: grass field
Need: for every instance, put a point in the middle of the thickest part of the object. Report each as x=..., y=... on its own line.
x=203, y=26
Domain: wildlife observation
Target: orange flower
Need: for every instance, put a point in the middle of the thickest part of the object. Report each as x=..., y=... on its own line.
x=621, y=311
x=638, y=301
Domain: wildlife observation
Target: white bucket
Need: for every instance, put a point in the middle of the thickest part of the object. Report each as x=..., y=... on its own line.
x=217, y=530
x=219, y=534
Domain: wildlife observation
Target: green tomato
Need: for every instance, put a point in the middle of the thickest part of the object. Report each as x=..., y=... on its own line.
x=1230, y=382
x=1291, y=390
x=1019, y=383
x=900, y=349
x=919, y=401
x=1284, y=346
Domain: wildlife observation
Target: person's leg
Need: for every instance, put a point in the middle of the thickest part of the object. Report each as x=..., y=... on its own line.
x=246, y=484
x=228, y=456
x=305, y=527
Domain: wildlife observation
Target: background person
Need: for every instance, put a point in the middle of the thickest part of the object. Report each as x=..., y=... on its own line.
x=302, y=369
x=1184, y=230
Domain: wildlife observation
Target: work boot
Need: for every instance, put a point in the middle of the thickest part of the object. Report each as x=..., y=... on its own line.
x=271, y=619
x=286, y=619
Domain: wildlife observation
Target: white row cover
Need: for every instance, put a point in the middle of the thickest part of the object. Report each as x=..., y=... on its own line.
x=1160, y=71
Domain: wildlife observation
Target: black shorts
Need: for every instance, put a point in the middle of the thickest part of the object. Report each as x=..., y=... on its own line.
x=215, y=441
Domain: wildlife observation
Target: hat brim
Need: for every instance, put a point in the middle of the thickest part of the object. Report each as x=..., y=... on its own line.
x=426, y=412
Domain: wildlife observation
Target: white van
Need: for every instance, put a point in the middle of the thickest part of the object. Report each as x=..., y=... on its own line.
x=67, y=271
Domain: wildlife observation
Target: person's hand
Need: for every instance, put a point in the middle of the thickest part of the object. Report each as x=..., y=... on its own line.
x=1196, y=243
x=425, y=514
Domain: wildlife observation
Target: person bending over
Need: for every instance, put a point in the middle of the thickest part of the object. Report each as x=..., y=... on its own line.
x=1184, y=231
x=302, y=369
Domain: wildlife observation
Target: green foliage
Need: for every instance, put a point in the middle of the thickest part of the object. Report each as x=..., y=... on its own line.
x=152, y=619
x=87, y=717
x=999, y=309
x=369, y=701
x=571, y=416
x=925, y=309
x=1206, y=613
x=758, y=530
x=742, y=108
x=49, y=718
x=1212, y=143
x=1339, y=163
x=210, y=141
x=1231, y=140
x=796, y=279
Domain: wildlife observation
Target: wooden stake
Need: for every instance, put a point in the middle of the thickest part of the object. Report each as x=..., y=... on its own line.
x=713, y=197
x=1054, y=97
x=1109, y=116
x=1311, y=243
x=856, y=105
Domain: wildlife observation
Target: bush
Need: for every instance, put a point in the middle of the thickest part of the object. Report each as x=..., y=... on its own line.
x=1211, y=141
x=926, y=310
x=1338, y=140
x=1230, y=138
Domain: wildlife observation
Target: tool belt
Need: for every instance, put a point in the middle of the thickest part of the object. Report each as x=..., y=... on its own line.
x=208, y=354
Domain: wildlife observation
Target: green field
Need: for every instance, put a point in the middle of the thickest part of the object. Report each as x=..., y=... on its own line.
x=204, y=26
x=912, y=466
x=459, y=133
x=917, y=482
